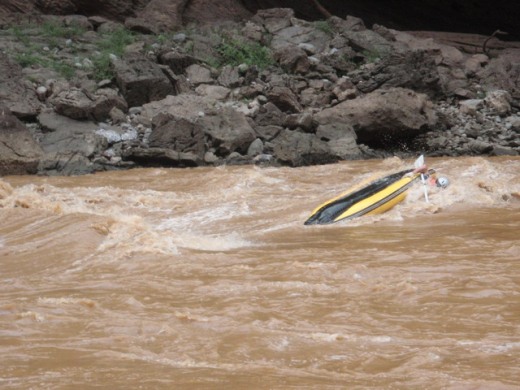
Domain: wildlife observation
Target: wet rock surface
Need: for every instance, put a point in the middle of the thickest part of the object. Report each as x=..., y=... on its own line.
x=271, y=89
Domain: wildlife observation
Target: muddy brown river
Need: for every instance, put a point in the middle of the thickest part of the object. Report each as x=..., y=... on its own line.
x=208, y=279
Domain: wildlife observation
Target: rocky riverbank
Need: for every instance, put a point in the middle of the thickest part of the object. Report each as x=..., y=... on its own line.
x=84, y=94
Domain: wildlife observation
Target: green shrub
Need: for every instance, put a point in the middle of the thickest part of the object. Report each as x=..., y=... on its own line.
x=102, y=67
x=30, y=59
x=371, y=55
x=235, y=52
x=64, y=69
x=115, y=43
x=324, y=25
x=34, y=59
x=55, y=29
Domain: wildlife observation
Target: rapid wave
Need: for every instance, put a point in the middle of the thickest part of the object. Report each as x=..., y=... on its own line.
x=230, y=208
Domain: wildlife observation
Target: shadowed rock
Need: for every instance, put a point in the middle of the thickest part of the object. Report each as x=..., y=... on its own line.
x=19, y=152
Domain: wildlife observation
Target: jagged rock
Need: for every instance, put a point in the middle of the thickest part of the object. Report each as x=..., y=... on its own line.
x=269, y=114
x=73, y=103
x=412, y=69
x=383, y=115
x=161, y=157
x=368, y=41
x=293, y=59
x=268, y=132
x=183, y=106
x=228, y=131
x=198, y=74
x=503, y=72
x=256, y=148
x=304, y=106
x=176, y=61
x=284, y=99
x=230, y=77
x=19, y=152
x=116, y=115
x=69, y=145
x=78, y=21
x=178, y=134
x=176, y=119
x=68, y=136
x=471, y=106
x=295, y=35
x=443, y=54
x=274, y=19
x=475, y=63
x=15, y=93
x=141, y=80
x=213, y=92
x=109, y=27
x=503, y=151
x=107, y=99
x=80, y=104
x=344, y=89
x=479, y=147
x=499, y=102
x=298, y=149
x=303, y=120
x=341, y=139
x=514, y=123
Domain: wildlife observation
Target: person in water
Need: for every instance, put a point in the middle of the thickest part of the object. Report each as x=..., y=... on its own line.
x=432, y=179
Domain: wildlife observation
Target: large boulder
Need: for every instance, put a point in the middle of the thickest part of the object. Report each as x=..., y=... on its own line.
x=340, y=138
x=299, y=34
x=228, y=130
x=76, y=103
x=188, y=126
x=180, y=106
x=141, y=80
x=69, y=145
x=295, y=149
x=383, y=116
x=19, y=152
x=274, y=19
x=18, y=95
x=177, y=133
x=285, y=99
x=176, y=61
x=412, y=69
x=503, y=72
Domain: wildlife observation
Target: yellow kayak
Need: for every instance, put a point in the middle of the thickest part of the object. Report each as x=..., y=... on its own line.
x=376, y=198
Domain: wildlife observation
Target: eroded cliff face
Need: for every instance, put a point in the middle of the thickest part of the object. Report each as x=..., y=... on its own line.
x=113, y=9
x=468, y=16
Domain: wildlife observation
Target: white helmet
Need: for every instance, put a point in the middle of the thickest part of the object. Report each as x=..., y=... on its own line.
x=442, y=182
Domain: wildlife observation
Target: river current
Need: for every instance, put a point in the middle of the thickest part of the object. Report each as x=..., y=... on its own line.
x=206, y=278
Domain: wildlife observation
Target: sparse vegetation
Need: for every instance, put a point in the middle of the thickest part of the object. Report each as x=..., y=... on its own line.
x=371, y=56
x=116, y=41
x=235, y=52
x=324, y=25
x=110, y=43
x=42, y=43
x=28, y=59
x=54, y=29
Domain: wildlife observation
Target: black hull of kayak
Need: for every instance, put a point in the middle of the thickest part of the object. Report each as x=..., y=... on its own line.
x=335, y=208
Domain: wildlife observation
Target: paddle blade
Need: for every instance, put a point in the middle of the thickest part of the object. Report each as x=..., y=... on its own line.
x=419, y=162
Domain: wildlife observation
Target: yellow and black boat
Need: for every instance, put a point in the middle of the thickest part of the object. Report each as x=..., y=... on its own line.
x=376, y=198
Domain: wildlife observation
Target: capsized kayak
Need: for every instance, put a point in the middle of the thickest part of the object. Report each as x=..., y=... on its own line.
x=376, y=198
